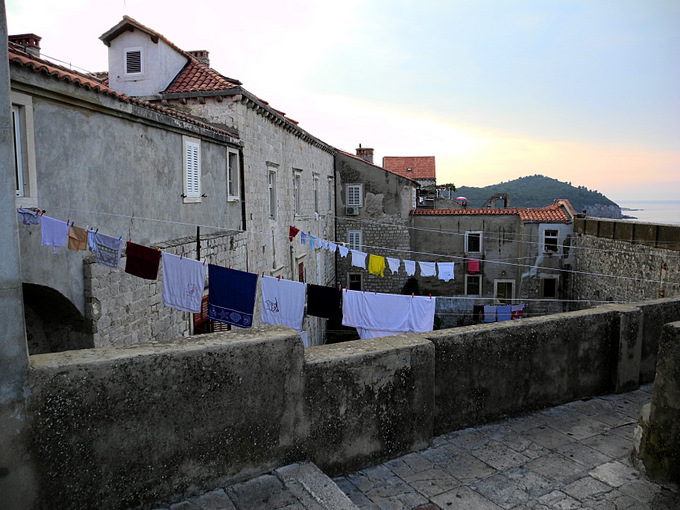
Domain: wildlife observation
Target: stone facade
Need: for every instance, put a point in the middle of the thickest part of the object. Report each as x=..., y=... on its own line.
x=381, y=221
x=513, y=261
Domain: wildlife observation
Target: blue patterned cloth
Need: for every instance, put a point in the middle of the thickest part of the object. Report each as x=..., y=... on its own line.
x=231, y=297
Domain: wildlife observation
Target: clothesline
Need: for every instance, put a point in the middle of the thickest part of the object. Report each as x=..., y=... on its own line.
x=428, y=254
x=232, y=293
x=487, y=236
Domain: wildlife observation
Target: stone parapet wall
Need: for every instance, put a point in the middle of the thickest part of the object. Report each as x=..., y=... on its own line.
x=146, y=424
x=624, y=261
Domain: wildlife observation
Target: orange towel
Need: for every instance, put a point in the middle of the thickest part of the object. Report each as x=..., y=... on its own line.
x=77, y=238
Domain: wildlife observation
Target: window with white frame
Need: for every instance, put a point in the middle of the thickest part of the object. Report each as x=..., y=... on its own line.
x=473, y=242
x=354, y=240
x=354, y=195
x=24, y=150
x=473, y=285
x=549, y=286
x=550, y=241
x=272, y=194
x=232, y=175
x=19, y=158
x=316, y=193
x=297, y=192
x=192, y=170
x=133, y=62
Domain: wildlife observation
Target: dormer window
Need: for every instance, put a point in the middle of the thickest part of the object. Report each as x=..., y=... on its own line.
x=133, y=61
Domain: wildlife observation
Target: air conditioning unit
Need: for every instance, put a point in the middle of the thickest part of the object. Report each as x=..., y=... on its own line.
x=352, y=210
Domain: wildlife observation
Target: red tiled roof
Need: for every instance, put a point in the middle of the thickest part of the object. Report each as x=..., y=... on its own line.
x=198, y=77
x=422, y=167
x=372, y=164
x=554, y=213
x=90, y=82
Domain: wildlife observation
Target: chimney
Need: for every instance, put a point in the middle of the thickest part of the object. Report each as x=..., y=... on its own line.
x=30, y=43
x=201, y=55
x=365, y=153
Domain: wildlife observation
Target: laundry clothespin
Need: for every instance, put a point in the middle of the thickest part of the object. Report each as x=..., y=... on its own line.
x=68, y=221
x=430, y=296
x=72, y=223
x=204, y=261
x=412, y=294
x=120, y=238
x=279, y=277
x=181, y=256
x=229, y=267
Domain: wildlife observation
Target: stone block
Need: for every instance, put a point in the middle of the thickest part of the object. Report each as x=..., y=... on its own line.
x=624, y=231
x=528, y=364
x=645, y=233
x=154, y=419
x=368, y=400
x=668, y=237
x=660, y=442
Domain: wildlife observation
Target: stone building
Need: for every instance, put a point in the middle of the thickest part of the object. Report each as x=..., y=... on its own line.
x=173, y=172
x=507, y=256
x=282, y=177
x=101, y=159
x=372, y=215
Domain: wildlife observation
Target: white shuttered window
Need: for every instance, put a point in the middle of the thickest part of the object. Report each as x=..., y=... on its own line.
x=192, y=170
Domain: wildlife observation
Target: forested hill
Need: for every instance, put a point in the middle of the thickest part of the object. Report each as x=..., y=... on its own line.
x=540, y=191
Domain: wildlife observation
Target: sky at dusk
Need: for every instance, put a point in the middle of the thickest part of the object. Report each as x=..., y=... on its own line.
x=584, y=91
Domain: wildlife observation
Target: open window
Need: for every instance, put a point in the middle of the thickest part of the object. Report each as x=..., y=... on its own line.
x=473, y=242
x=473, y=285
x=550, y=241
x=549, y=287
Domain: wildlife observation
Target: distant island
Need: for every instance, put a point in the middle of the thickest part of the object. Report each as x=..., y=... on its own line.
x=541, y=191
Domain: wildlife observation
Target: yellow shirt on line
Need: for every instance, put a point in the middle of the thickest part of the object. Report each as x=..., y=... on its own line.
x=376, y=265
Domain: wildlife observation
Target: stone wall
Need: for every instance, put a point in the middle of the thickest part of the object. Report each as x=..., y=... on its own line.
x=124, y=309
x=386, y=240
x=624, y=261
x=146, y=424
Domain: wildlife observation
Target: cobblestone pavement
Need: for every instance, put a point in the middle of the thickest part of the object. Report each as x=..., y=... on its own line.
x=573, y=456
x=568, y=457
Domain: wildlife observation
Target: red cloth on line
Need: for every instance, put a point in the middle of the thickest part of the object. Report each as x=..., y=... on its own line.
x=473, y=266
x=293, y=232
x=142, y=261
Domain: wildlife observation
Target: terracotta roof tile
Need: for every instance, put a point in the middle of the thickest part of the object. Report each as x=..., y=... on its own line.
x=198, y=77
x=555, y=213
x=90, y=82
x=422, y=167
x=372, y=164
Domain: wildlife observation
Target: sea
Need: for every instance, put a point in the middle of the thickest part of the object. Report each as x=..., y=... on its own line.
x=665, y=212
